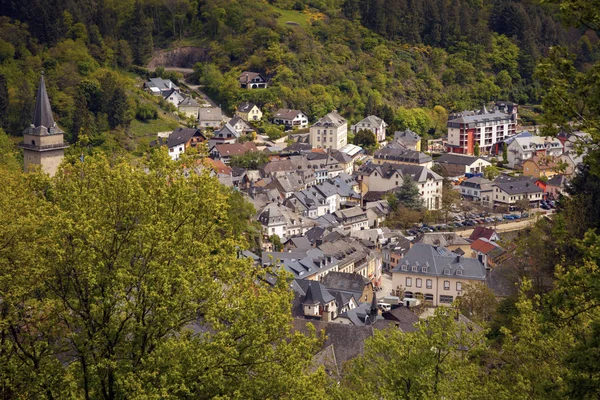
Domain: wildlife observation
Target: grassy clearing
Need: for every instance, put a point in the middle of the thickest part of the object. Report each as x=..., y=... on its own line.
x=140, y=129
x=296, y=17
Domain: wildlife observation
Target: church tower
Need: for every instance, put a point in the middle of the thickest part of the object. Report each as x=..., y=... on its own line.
x=43, y=142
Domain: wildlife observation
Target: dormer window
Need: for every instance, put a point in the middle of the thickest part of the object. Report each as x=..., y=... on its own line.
x=414, y=268
x=447, y=271
x=459, y=272
x=404, y=267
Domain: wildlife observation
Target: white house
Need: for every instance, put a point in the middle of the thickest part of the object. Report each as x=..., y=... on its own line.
x=174, y=97
x=385, y=177
x=523, y=148
x=290, y=118
x=189, y=107
x=329, y=132
x=210, y=117
x=509, y=192
x=374, y=124
x=458, y=164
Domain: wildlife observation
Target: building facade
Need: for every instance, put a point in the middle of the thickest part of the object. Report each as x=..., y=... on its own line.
x=330, y=132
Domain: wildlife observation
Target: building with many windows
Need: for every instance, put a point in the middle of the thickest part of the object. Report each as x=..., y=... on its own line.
x=469, y=129
x=435, y=274
x=330, y=132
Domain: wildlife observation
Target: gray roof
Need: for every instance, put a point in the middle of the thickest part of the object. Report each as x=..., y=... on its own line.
x=520, y=186
x=210, y=114
x=557, y=181
x=406, y=136
x=161, y=84
x=285, y=113
x=245, y=107
x=332, y=119
x=439, y=261
x=345, y=281
x=43, y=121
x=301, y=263
x=189, y=102
x=443, y=239
x=316, y=293
x=401, y=154
x=477, y=182
x=406, y=319
x=496, y=115
x=457, y=159
x=181, y=135
x=418, y=173
x=373, y=120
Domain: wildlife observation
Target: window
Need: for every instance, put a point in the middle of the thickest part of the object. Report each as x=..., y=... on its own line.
x=446, y=299
x=419, y=282
x=429, y=283
x=330, y=139
x=171, y=150
x=318, y=138
x=459, y=272
x=458, y=286
x=447, y=271
x=428, y=297
x=424, y=269
x=446, y=285
x=408, y=282
x=414, y=268
x=404, y=267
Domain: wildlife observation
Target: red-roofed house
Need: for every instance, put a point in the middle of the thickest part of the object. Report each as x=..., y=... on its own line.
x=485, y=250
x=483, y=232
x=224, y=152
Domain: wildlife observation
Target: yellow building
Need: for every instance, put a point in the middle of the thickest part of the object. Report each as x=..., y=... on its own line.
x=542, y=166
x=249, y=112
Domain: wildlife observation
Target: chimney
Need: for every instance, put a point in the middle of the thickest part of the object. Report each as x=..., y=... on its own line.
x=170, y=83
x=457, y=258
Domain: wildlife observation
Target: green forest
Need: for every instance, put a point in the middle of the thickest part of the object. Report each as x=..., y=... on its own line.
x=119, y=281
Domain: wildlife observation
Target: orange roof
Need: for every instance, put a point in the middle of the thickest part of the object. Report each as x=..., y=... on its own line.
x=483, y=245
x=218, y=166
x=318, y=150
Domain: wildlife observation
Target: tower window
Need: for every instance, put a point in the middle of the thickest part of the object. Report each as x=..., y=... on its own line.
x=33, y=142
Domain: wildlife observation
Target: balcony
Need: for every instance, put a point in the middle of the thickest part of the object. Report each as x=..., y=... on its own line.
x=47, y=147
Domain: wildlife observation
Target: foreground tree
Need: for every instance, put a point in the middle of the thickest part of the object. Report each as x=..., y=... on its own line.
x=124, y=282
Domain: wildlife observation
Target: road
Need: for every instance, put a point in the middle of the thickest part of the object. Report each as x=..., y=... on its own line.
x=187, y=75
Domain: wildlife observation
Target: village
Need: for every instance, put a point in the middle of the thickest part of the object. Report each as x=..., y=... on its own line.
x=324, y=205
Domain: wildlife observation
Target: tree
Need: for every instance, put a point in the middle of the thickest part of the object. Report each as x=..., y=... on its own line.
x=127, y=284
x=491, y=172
x=249, y=160
x=476, y=149
x=276, y=242
x=477, y=302
x=366, y=139
x=140, y=30
x=408, y=194
x=404, y=217
x=118, y=114
x=433, y=362
x=522, y=205
x=504, y=153
x=3, y=102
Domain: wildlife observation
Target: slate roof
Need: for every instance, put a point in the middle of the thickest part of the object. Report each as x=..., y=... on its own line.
x=457, y=159
x=406, y=319
x=181, y=136
x=480, y=117
x=43, y=120
x=189, y=102
x=345, y=281
x=401, y=154
x=521, y=186
x=418, y=173
x=477, y=182
x=210, y=114
x=557, y=181
x=301, y=263
x=341, y=157
x=373, y=120
x=245, y=107
x=316, y=294
x=285, y=113
x=439, y=261
x=333, y=119
x=406, y=136
x=161, y=84
x=247, y=76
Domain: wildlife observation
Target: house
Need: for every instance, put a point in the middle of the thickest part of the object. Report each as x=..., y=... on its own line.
x=356, y=285
x=248, y=111
x=224, y=152
x=409, y=139
x=450, y=240
x=309, y=203
x=386, y=177
x=373, y=124
x=354, y=151
x=160, y=87
x=353, y=219
x=459, y=165
x=210, y=117
x=485, y=250
x=329, y=132
x=287, y=184
x=352, y=256
x=345, y=161
x=182, y=139
x=290, y=118
x=252, y=80
x=470, y=129
x=477, y=189
x=393, y=251
x=524, y=148
x=510, y=191
x=435, y=274
x=310, y=264
x=543, y=166
x=189, y=107
x=241, y=126
x=483, y=232
x=226, y=135
x=173, y=97
x=396, y=154
x=556, y=186
x=281, y=221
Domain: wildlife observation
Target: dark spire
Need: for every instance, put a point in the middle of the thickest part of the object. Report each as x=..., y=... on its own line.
x=42, y=115
x=374, y=307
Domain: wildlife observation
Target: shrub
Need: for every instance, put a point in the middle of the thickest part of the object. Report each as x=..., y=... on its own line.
x=145, y=112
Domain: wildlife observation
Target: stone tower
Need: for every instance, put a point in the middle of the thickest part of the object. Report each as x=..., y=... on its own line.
x=43, y=142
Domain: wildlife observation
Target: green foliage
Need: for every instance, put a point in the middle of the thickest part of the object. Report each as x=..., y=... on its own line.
x=276, y=242
x=408, y=194
x=504, y=153
x=249, y=160
x=491, y=172
x=145, y=112
x=121, y=281
x=476, y=149
x=366, y=139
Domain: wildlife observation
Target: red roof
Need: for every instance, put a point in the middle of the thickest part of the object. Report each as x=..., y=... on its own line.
x=235, y=149
x=218, y=166
x=483, y=245
x=482, y=232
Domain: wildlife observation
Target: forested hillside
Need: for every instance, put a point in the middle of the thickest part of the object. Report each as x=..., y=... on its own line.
x=394, y=58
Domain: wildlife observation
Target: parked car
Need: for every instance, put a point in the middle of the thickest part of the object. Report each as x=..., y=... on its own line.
x=525, y=214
